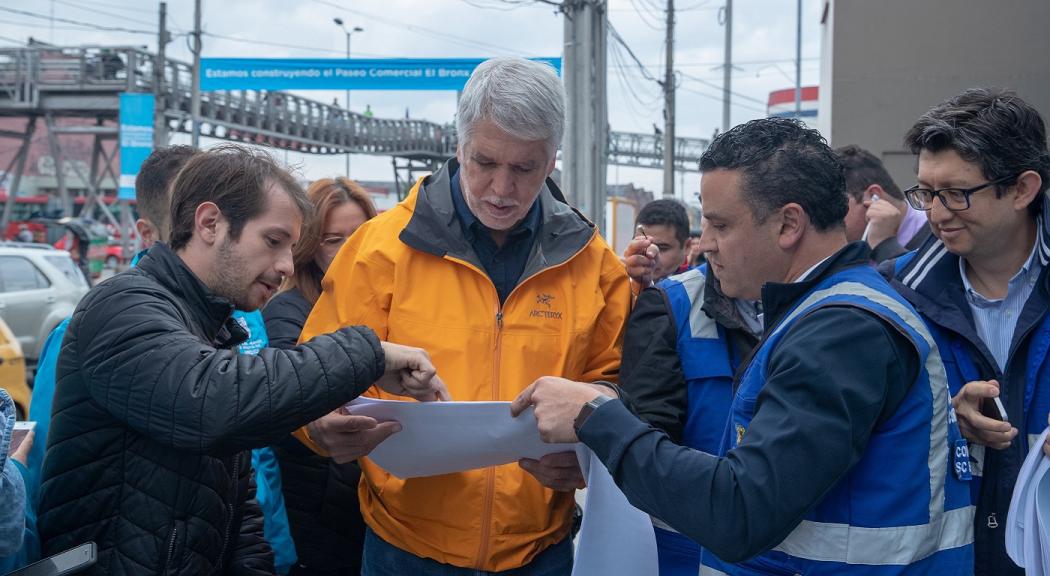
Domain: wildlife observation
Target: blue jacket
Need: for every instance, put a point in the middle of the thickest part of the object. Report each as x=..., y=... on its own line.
x=19, y=543
x=929, y=279
x=910, y=518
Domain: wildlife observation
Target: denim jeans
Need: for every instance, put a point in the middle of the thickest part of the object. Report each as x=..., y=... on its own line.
x=384, y=559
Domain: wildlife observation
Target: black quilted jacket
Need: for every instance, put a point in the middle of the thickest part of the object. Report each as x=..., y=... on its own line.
x=154, y=416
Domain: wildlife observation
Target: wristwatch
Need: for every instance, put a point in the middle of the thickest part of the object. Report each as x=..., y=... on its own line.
x=587, y=409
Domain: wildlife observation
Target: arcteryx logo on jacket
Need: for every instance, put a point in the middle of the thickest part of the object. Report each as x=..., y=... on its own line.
x=544, y=308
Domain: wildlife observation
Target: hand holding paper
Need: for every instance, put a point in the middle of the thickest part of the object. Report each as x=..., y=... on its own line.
x=558, y=401
x=346, y=437
x=443, y=437
x=409, y=372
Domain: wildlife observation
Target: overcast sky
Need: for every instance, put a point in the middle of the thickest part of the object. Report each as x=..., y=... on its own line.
x=763, y=51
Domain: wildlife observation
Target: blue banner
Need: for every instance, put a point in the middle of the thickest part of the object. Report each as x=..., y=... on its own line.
x=341, y=74
x=136, y=139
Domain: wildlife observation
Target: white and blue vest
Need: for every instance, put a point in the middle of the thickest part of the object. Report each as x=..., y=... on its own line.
x=904, y=508
x=708, y=365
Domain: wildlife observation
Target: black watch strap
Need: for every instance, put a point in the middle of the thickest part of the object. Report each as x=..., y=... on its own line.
x=588, y=409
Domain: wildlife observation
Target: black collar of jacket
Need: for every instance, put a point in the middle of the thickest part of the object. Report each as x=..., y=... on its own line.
x=212, y=313
x=434, y=228
x=778, y=298
x=719, y=306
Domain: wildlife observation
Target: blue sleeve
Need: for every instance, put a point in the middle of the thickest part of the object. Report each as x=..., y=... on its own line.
x=271, y=499
x=267, y=473
x=40, y=405
x=12, y=487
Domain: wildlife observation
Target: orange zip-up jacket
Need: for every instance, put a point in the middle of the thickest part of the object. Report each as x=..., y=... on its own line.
x=410, y=275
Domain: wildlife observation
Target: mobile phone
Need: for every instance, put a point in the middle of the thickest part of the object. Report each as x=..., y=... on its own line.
x=19, y=433
x=69, y=562
x=993, y=408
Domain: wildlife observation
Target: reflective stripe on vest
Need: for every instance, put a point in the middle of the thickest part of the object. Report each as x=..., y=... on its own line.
x=899, y=544
x=692, y=282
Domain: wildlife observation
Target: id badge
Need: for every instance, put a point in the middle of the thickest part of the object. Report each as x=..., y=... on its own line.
x=962, y=460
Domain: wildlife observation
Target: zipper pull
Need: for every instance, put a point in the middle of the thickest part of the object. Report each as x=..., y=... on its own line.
x=499, y=319
x=992, y=522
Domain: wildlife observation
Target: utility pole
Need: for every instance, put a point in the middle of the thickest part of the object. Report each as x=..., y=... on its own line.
x=585, y=147
x=195, y=102
x=798, y=62
x=160, y=123
x=727, y=71
x=668, y=85
x=348, y=31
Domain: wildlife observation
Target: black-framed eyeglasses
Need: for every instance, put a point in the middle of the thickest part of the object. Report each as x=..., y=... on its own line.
x=954, y=199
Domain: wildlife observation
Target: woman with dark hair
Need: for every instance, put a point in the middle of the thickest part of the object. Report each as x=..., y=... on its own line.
x=320, y=494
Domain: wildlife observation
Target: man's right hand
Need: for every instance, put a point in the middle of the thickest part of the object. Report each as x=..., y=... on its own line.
x=975, y=426
x=884, y=218
x=409, y=372
x=640, y=258
x=346, y=438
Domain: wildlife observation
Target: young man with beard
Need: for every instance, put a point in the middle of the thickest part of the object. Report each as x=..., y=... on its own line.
x=154, y=413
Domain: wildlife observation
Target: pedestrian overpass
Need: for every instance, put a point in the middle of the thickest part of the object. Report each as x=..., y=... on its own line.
x=48, y=83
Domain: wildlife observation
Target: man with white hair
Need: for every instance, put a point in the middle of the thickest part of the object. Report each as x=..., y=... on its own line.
x=486, y=267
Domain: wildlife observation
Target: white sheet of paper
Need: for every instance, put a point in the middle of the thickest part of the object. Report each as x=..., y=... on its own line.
x=445, y=437
x=1042, y=506
x=1028, y=520
x=616, y=539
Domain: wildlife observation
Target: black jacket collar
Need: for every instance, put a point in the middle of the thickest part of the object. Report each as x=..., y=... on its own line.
x=210, y=312
x=719, y=306
x=778, y=299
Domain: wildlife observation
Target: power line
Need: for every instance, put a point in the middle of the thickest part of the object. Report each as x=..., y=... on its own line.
x=645, y=19
x=719, y=87
x=283, y=45
x=103, y=12
x=421, y=29
x=719, y=99
x=77, y=22
x=120, y=7
x=645, y=72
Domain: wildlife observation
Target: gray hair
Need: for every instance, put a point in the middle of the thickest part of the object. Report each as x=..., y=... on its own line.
x=524, y=98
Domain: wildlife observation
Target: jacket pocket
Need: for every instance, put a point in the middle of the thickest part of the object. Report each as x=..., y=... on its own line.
x=174, y=548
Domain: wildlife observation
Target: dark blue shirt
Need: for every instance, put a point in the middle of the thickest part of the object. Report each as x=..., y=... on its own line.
x=504, y=264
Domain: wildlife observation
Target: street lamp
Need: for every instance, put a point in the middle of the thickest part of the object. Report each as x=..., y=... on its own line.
x=339, y=22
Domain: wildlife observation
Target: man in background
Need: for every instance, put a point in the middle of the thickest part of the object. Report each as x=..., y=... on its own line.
x=878, y=213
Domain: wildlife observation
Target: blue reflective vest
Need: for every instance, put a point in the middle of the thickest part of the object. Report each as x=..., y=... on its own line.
x=708, y=364
x=961, y=368
x=904, y=508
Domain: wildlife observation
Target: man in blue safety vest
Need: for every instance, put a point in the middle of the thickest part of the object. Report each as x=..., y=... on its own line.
x=681, y=348
x=841, y=450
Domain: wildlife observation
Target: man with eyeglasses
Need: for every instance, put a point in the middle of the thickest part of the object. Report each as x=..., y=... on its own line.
x=981, y=284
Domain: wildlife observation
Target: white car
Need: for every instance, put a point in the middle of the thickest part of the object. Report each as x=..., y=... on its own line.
x=39, y=287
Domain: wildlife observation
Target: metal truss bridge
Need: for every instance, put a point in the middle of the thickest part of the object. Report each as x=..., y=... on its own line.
x=86, y=81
